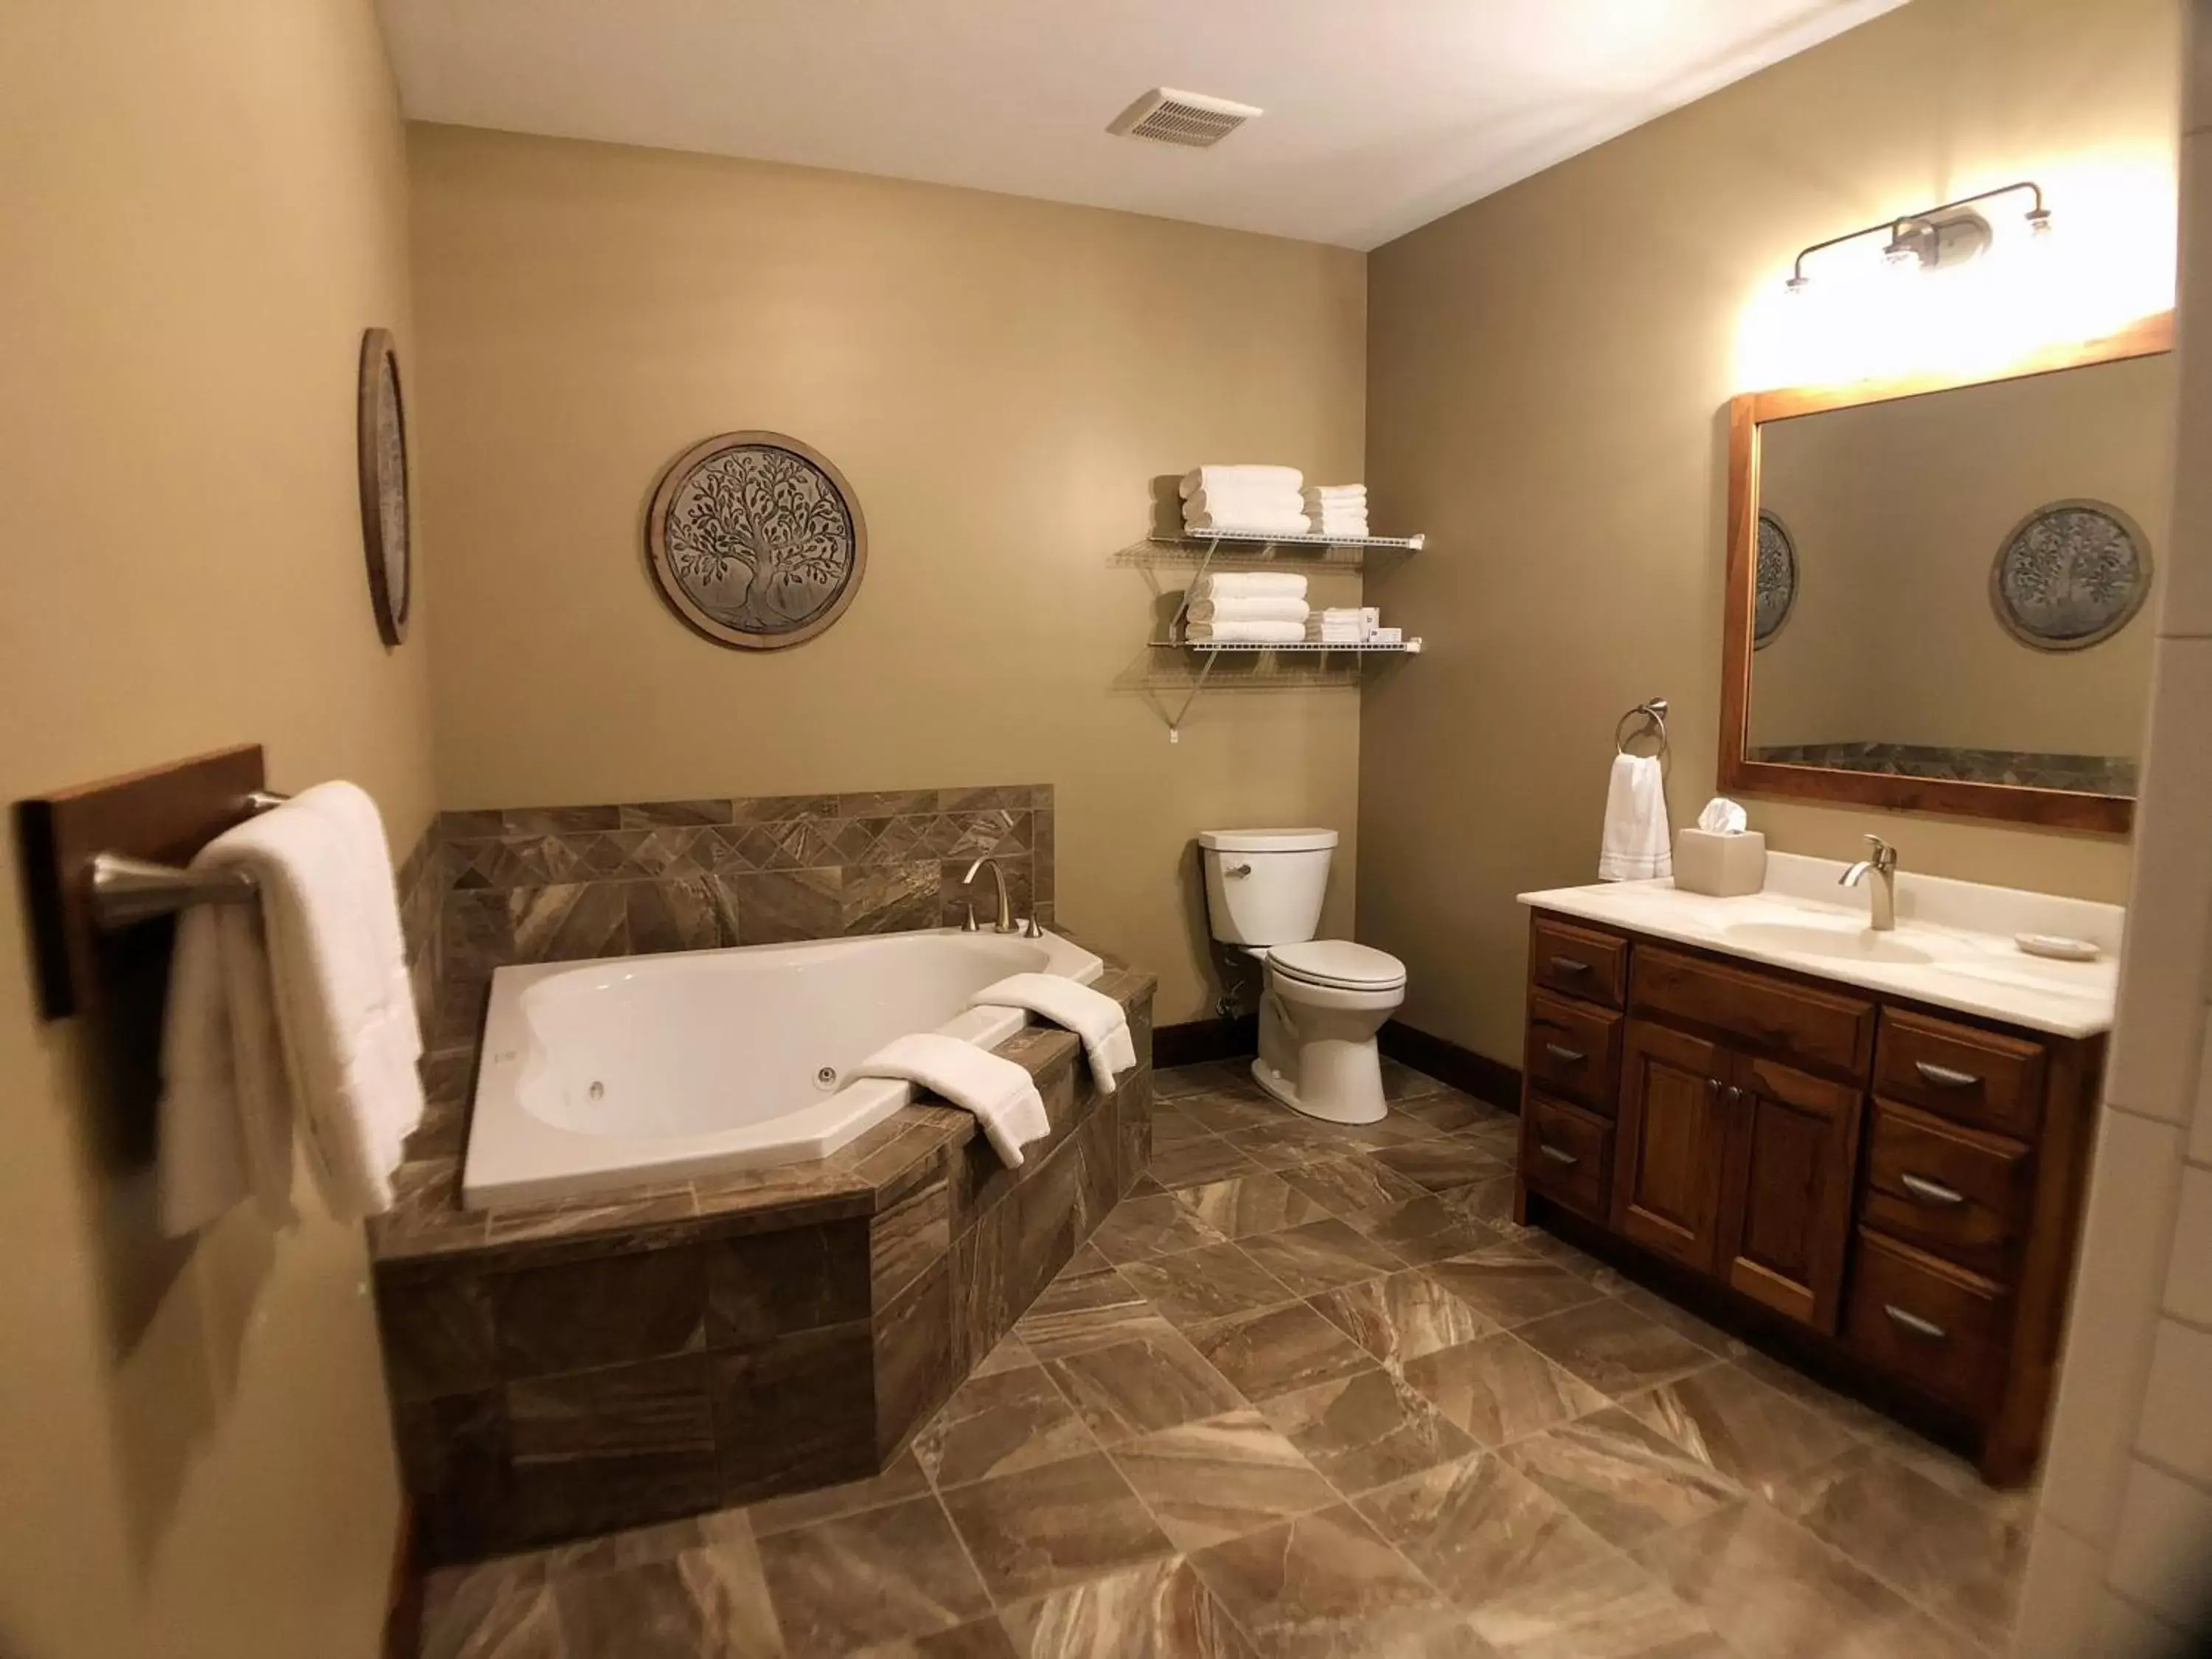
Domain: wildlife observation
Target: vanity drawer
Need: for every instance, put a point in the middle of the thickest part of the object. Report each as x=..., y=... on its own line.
x=1573, y=1051
x=1932, y=1326
x=1565, y=1153
x=1956, y=1192
x=1812, y=1027
x=1577, y=963
x=1961, y=1071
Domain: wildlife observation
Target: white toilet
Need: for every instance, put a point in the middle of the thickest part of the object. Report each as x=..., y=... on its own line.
x=1325, y=999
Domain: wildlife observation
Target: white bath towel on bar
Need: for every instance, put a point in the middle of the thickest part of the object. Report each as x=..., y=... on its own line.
x=1636, y=845
x=1091, y=1014
x=1235, y=609
x=1278, y=477
x=1249, y=585
x=1002, y=1095
x=1245, y=633
x=294, y=1010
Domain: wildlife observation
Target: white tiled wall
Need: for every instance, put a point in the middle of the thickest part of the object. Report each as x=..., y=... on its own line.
x=2122, y=1560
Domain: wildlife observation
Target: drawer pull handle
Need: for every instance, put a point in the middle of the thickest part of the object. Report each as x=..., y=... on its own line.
x=1564, y=1054
x=1931, y=1192
x=1943, y=1077
x=1905, y=1320
x=1569, y=965
x=1557, y=1154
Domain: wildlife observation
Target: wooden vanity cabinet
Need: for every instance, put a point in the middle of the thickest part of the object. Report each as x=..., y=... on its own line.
x=1902, y=1184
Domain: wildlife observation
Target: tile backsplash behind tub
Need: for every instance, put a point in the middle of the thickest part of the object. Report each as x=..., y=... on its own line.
x=560, y=884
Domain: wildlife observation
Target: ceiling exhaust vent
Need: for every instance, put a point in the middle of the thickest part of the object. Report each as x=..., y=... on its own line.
x=1189, y=119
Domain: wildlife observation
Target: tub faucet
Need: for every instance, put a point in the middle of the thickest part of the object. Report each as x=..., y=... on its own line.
x=1883, y=867
x=1005, y=921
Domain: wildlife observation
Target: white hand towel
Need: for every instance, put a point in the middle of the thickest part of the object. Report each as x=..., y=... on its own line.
x=1249, y=585
x=1245, y=633
x=1291, y=521
x=1280, y=477
x=1000, y=1094
x=1091, y=1014
x=1637, y=846
x=1243, y=610
x=1334, y=494
x=1337, y=524
x=297, y=1009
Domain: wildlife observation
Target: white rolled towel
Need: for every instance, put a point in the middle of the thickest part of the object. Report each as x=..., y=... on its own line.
x=1244, y=498
x=1250, y=522
x=1245, y=633
x=1249, y=585
x=1254, y=609
x=1280, y=477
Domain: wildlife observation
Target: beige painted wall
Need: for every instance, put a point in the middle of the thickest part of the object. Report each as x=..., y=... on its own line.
x=999, y=378
x=204, y=205
x=1548, y=371
x=1897, y=510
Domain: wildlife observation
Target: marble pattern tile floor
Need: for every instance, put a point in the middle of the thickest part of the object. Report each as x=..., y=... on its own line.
x=1311, y=1395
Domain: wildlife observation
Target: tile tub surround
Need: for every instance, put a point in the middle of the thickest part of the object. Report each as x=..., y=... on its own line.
x=560, y=1371
x=555, y=883
x=1454, y=1478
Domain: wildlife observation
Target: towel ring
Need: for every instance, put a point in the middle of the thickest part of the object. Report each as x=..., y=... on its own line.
x=1653, y=714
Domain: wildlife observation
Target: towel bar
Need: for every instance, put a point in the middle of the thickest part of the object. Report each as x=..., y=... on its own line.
x=126, y=891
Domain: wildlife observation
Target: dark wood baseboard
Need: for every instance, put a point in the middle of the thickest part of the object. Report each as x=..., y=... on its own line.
x=1487, y=1079
x=1197, y=1041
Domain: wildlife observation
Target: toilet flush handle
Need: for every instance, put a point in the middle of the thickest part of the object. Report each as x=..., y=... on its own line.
x=1236, y=869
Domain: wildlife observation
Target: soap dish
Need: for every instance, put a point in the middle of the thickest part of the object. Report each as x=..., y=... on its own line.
x=2059, y=947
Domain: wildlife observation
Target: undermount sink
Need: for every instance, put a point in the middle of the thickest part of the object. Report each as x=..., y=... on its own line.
x=1860, y=945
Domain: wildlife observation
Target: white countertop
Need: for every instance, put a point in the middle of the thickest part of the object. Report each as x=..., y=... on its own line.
x=1953, y=945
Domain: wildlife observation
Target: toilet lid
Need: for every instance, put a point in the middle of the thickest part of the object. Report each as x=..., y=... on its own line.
x=1338, y=963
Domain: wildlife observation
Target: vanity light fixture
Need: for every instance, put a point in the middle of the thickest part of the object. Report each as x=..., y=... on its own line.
x=1933, y=239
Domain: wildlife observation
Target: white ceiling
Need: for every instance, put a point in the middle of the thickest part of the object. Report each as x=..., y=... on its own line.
x=1381, y=114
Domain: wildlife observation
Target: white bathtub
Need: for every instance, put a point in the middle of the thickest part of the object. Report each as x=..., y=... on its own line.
x=633, y=1070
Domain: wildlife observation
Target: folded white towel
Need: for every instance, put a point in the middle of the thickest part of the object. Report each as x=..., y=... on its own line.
x=1344, y=613
x=1334, y=494
x=1281, y=478
x=1249, y=585
x=1246, y=633
x=1247, y=610
x=1245, y=498
x=1291, y=522
x=297, y=1009
x=1091, y=1014
x=1636, y=846
x=1000, y=1094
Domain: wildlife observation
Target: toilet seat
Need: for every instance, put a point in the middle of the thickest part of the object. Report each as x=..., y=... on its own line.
x=1337, y=964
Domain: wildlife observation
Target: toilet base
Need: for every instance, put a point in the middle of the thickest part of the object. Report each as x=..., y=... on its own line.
x=1353, y=1098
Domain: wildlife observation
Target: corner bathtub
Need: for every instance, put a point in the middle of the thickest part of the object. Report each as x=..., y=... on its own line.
x=634, y=1070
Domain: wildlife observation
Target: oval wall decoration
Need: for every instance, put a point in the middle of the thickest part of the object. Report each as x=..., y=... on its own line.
x=380, y=445
x=1776, y=590
x=2071, y=575
x=756, y=540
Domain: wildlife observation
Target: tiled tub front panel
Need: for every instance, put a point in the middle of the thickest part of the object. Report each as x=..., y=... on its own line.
x=568, y=883
x=556, y=1377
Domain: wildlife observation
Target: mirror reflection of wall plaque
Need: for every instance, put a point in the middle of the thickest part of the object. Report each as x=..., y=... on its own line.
x=380, y=440
x=2071, y=575
x=756, y=540
x=1777, y=589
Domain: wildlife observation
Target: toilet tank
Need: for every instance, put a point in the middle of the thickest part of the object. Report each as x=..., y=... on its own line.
x=1265, y=886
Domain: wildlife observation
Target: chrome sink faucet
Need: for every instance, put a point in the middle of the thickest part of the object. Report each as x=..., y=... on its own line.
x=1883, y=866
x=1006, y=922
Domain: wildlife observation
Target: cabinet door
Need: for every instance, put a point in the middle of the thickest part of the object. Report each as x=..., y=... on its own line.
x=1786, y=1204
x=1668, y=1151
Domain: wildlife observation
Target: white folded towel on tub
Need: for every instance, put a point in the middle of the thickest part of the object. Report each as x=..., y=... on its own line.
x=1091, y=1014
x=1001, y=1095
x=296, y=1008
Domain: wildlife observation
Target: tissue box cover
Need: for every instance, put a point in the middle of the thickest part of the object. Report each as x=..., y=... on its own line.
x=1725, y=867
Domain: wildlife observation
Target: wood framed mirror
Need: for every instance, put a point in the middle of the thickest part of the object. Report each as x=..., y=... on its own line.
x=1939, y=588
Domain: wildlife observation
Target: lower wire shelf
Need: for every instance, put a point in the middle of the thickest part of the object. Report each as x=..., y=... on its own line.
x=1403, y=648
